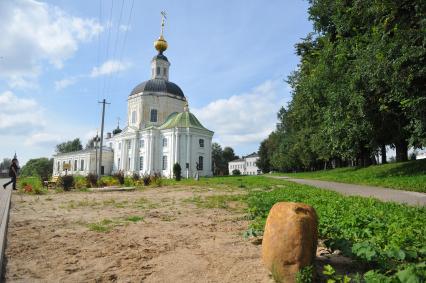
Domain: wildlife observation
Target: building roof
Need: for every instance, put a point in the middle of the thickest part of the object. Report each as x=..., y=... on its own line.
x=160, y=56
x=158, y=85
x=182, y=120
x=237, y=160
x=254, y=154
x=104, y=149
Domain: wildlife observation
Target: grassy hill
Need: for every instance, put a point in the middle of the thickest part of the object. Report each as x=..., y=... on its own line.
x=410, y=176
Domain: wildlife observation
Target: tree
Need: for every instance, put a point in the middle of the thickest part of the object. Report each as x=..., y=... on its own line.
x=221, y=158
x=69, y=146
x=91, y=142
x=228, y=155
x=217, y=159
x=177, y=171
x=5, y=164
x=40, y=167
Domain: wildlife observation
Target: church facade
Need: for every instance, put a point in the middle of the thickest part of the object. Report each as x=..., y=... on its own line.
x=160, y=131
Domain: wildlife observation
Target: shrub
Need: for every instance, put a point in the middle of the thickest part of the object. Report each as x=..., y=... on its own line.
x=155, y=180
x=177, y=171
x=136, y=177
x=108, y=181
x=128, y=182
x=33, y=182
x=66, y=182
x=120, y=177
x=80, y=182
x=236, y=172
x=91, y=180
x=146, y=179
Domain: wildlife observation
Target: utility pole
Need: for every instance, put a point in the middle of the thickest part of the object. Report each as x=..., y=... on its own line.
x=102, y=136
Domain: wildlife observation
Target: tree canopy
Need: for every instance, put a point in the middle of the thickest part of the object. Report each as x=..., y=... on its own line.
x=69, y=146
x=221, y=158
x=358, y=88
x=41, y=167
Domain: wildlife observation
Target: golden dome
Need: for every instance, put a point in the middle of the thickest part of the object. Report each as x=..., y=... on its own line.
x=160, y=44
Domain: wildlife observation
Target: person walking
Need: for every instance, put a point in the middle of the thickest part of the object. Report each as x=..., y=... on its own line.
x=13, y=173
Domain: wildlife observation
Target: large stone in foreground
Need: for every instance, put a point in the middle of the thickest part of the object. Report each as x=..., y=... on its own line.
x=290, y=239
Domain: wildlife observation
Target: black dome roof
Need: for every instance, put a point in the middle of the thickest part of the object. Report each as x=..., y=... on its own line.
x=160, y=56
x=158, y=85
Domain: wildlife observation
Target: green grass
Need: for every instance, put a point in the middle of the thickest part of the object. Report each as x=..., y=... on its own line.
x=107, y=225
x=410, y=176
x=217, y=201
x=228, y=183
x=385, y=236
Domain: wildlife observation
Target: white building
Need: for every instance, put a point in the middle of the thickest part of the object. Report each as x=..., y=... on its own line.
x=160, y=130
x=246, y=165
x=82, y=162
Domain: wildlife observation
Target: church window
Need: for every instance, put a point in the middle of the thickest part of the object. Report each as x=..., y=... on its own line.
x=128, y=164
x=158, y=71
x=75, y=165
x=164, y=162
x=142, y=145
x=200, y=163
x=82, y=165
x=141, y=163
x=58, y=168
x=118, y=163
x=201, y=141
x=165, y=72
x=164, y=142
x=129, y=145
x=133, y=117
x=154, y=115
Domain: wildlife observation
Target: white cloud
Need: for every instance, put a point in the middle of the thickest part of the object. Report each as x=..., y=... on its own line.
x=34, y=33
x=110, y=67
x=245, y=120
x=64, y=83
x=43, y=139
x=19, y=116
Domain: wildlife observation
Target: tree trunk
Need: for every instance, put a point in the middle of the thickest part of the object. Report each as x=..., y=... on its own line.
x=383, y=150
x=401, y=151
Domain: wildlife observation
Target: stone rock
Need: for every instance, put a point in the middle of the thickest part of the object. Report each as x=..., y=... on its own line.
x=289, y=240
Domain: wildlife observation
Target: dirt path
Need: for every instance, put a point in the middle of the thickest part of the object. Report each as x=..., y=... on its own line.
x=384, y=194
x=101, y=237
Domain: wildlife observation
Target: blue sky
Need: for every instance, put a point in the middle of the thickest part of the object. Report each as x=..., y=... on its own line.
x=58, y=58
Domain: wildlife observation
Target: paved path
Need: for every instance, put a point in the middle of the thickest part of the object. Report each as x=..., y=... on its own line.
x=384, y=194
x=5, y=195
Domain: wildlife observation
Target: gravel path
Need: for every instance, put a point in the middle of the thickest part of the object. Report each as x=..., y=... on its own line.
x=384, y=194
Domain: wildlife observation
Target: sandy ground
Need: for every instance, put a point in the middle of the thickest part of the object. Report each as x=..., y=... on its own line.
x=50, y=239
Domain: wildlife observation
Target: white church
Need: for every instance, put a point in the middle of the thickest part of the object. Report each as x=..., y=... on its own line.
x=160, y=132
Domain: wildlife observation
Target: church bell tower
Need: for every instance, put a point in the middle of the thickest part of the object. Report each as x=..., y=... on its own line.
x=159, y=64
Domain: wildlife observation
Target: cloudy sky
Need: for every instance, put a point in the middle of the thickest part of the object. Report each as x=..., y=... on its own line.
x=59, y=58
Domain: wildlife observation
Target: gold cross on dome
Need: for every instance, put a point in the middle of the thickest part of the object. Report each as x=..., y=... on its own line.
x=163, y=20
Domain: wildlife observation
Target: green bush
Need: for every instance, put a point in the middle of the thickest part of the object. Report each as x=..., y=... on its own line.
x=156, y=180
x=80, y=182
x=34, y=182
x=236, y=172
x=177, y=171
x=129, y=182
x=105, y=181
x=66, y=182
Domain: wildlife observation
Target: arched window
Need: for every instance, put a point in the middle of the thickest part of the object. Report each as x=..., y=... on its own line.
x=158, y=71
x=200, y=163
x=154, y=115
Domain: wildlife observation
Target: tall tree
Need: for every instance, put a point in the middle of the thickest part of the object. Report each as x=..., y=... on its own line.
x=5, y=164
x=69, y=146
x=41, y=167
